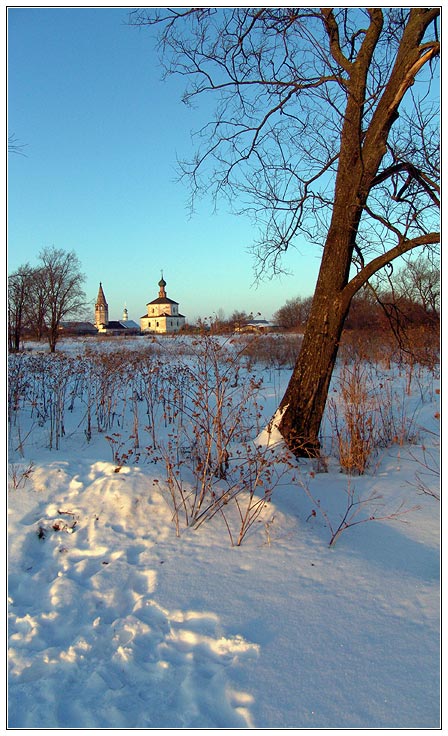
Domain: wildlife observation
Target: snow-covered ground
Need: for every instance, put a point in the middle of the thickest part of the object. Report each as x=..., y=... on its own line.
x=117, y=622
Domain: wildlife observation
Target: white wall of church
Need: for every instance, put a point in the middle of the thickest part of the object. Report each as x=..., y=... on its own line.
x=161, y=324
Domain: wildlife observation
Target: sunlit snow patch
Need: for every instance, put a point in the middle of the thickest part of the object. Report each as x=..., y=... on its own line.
x=271, y=436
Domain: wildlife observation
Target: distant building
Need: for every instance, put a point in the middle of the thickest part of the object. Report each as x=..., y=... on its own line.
x=256, y=325
x=77, y=328
x=163, y=314
x=105, y=326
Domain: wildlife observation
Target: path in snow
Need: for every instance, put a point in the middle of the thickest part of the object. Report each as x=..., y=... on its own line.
x=129, y=662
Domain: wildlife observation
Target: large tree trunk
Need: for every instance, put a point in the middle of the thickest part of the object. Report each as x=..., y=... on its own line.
x=303, y=404
x=52, y=338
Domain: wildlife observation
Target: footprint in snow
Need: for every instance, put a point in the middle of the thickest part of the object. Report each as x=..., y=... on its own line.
x=149, y=668
x=96, y=650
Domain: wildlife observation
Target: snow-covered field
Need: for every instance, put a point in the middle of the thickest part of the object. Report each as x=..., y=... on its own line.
x=116, y=621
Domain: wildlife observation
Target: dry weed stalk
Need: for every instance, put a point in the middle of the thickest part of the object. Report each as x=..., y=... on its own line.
x=356, y=434
x=429, y=474
x=354, y=507
x=366, y=413
x=19, y=474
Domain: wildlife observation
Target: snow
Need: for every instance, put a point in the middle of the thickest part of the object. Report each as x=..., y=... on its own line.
x=116, y=622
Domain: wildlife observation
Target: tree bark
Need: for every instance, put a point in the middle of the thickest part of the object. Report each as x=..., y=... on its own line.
x=303, y=404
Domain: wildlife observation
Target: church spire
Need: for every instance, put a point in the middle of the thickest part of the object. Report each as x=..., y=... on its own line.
x=101, y=308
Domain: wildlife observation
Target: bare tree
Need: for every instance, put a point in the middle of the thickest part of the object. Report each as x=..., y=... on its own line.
x=36, y=306
x=238, y=318
x=19, y=284
x=60, y=281
x=326, y=126
x=294, y=313
x=365, y=312
x=419, y=282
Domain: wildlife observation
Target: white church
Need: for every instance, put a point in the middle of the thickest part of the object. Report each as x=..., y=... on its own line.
x=163, y=314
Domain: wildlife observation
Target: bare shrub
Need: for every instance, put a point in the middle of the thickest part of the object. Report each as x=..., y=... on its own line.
x=19, y=474
x=211, y=464
x=367, y=412
x=355, y=434
x=418, y=345
x=274, y=351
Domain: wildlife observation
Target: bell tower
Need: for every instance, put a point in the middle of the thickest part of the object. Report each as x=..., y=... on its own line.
x=101, y=309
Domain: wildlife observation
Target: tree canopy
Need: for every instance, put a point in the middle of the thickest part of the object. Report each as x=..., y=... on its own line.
x=287, y=82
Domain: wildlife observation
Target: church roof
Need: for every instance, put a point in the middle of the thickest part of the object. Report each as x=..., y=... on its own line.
x=162, y=300
x=114, y=325
x=128, y=324
x=78, y=326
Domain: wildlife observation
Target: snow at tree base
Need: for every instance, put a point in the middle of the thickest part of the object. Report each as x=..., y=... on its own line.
x=117, y=622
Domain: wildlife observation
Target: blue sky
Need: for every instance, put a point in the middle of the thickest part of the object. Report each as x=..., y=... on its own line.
x=102, y=134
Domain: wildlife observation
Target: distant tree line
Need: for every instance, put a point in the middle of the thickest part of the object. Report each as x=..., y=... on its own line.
x=410, y=297
x=41, y=297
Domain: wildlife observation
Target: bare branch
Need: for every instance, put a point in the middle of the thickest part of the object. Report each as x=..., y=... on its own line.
x=402, y=247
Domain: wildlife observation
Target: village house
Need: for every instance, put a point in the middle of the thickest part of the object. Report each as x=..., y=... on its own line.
x=77, y=328
x=256, y=325
x=163, y=314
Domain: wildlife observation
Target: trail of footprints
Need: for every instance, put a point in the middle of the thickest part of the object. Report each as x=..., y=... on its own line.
x=130, y=663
